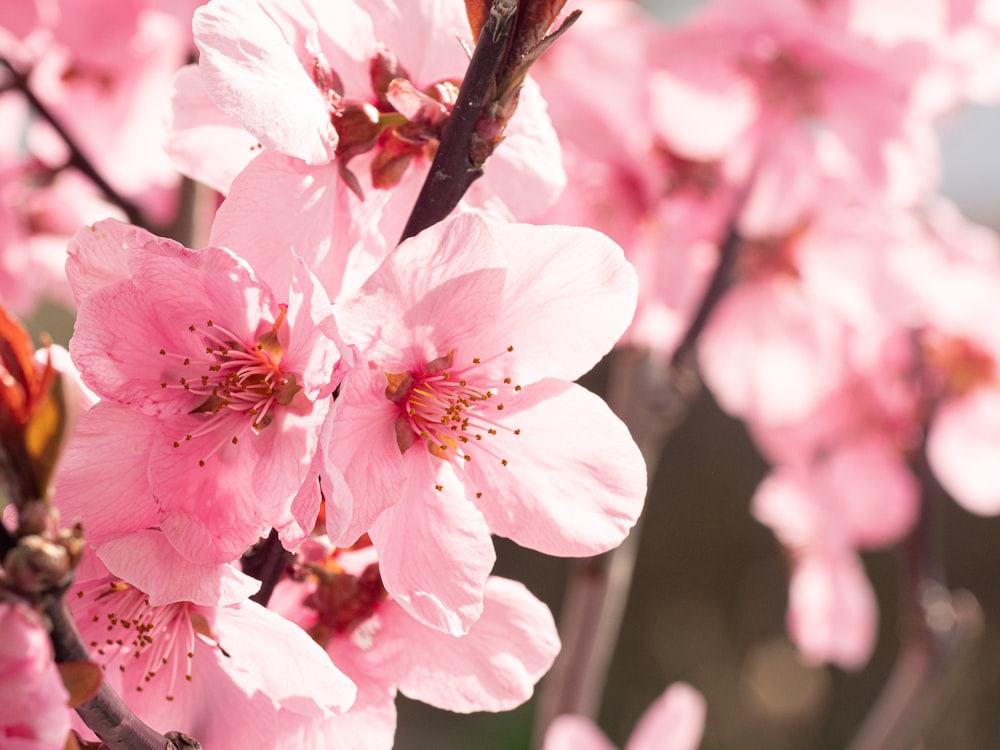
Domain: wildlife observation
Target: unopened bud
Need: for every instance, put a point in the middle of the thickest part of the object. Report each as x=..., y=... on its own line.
x=37, y=565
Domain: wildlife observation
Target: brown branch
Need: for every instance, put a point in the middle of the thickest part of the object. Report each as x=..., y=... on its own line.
x=266, y=562
x=106, y=713
x=937, y=631
x=77, y=159
x=452, y=171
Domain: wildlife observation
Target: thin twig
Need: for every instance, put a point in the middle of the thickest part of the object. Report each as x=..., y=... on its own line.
x=77, y=159
x=266, y=562
x=652, y=398
x=106, y=713
x=452, y=171
x=937, y=629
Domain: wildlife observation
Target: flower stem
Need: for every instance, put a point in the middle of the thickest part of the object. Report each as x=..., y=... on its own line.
x=652, y=397
x=452, y=171
x=937, y=629
x=77, y=159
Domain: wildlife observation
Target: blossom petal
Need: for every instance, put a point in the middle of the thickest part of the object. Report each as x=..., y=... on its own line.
x=569, y=296
x=361, y=442
x=675, y=721
x=435, y=553
x=963, y=446
x=574, y=482
x=251, y=61
x=150, y=563
x=493, y=667
x=435, y=291
x=102, y=476
x=299, y=675
x=569, y=732
x=212, y=513
x=203, y=142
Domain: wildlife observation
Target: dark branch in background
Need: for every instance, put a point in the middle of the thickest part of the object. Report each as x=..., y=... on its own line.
x=651, y=398
x=77, y=159
x=266, y=562
x=106, y=713
x=937, y=630
x=452, y=171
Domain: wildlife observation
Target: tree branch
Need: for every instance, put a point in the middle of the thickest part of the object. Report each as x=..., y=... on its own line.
x=937, y=629
x=78, y=160
x=452, y=171
x=106, y=713
x=266, y=562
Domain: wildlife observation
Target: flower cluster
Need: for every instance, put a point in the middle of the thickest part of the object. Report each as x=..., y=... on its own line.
x=290, y=424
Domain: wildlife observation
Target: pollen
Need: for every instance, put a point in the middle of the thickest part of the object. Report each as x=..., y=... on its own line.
x=235, y=385
x=443, y=404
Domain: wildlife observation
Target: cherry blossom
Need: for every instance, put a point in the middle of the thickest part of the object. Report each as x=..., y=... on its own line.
x=345, y=106
x=673, y=722
x=665, y=211
x=227, y=387
x=343, y=605
x=463, y=412
x=778, y=93
x=185, y=649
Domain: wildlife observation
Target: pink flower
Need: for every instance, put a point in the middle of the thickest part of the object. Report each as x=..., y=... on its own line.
x=463, y=421
x=341, y=102
x=675, y=721
x=36, y=714
x=214, y=393
x=665, y=211
x=186, y=651
x=776, y=93
x=493, y=667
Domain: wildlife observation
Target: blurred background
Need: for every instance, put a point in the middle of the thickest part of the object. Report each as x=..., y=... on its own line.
x=708, y=599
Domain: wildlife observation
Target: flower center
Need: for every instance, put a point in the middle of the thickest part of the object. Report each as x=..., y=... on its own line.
x=345, y=603
x=399, y=122
x=450, y=407
x=237, y=385
x=961, y=364
x=122, y=629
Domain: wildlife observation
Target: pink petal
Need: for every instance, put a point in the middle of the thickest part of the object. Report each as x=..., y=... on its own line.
x=299, y=675
x=568, y=297
x=99, y=255
x=434, y=292
x=204, y=143
x=102, y=478
x=122, y=328
x=148, y=561
x=868, y=485
x=963, y=445
x=768, y=355
x=212, y=513
x=570, y=732
x=493, y=667
x=361, y=443
x=674, y=722
x=254, y=59
x=439, y=580
x=832, y=611
x=574, y=482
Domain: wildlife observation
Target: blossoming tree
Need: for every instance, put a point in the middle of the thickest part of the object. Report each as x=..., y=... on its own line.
x=336, y=267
